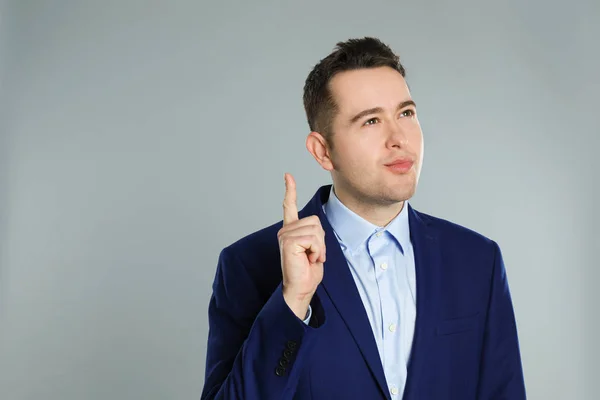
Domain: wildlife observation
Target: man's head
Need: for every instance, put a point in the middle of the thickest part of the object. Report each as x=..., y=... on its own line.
x=362, y=119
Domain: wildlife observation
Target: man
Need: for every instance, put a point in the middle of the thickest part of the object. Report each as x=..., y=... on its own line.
x=358, y=295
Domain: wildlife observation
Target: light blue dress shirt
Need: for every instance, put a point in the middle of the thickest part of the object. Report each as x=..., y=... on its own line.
x=382, y=264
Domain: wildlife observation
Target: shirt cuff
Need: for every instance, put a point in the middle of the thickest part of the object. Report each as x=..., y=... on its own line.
x=308, y=315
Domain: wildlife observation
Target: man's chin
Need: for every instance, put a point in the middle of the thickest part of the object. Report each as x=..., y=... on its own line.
x=402, y=194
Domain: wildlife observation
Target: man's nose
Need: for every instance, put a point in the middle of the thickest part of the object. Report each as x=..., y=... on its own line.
x=398, y=137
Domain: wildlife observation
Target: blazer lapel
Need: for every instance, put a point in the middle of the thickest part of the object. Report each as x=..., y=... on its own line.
x=341, y=289
x=428, y=262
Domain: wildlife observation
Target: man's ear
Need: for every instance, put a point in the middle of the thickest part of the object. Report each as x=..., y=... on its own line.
x=318, y=147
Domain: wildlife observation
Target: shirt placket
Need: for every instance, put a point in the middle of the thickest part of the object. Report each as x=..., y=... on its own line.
x=389, y=332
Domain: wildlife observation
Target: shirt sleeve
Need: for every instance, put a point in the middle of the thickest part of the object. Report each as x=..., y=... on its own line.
x=308, y=315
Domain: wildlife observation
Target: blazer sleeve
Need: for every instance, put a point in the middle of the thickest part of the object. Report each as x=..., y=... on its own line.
x=501, y=372
x=250, y=354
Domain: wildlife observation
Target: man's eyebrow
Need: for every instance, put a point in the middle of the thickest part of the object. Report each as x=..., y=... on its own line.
x=375, y=110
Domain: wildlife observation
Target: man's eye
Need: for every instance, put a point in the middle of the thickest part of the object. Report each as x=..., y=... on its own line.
x=407, y=113
x=371, y=121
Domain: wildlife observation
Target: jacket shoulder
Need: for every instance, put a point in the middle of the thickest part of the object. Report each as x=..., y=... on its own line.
x=256, y=243
x=455, y=233
x=255, y=257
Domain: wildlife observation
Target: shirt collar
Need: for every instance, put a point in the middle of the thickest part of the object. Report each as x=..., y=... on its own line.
x=353, y=230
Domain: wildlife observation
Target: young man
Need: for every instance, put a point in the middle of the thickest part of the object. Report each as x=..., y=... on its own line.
x=358, y=295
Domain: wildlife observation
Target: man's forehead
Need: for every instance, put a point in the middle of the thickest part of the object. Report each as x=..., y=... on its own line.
x=356, y=90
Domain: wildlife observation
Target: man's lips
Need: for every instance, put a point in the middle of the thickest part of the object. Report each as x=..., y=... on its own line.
x=400, y=165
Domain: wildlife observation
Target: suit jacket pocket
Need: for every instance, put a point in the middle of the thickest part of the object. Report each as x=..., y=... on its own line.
x=457, y=325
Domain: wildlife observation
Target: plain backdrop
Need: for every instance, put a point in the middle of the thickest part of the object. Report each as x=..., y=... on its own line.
x=139, y=138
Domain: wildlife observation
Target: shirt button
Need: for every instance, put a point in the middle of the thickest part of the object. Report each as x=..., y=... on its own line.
x=378, y=234
x=392, y=328
x=384, y=266
x=394, y=390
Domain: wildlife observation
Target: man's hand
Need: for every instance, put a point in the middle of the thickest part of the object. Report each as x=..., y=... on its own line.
x=302, y=249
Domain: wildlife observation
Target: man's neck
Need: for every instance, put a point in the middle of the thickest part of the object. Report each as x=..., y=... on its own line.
x=377, y=214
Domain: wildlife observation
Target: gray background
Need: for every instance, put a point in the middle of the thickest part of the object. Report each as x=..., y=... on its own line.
x=140, y=138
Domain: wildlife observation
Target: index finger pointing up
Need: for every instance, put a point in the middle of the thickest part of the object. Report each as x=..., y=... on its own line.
x=290, y=209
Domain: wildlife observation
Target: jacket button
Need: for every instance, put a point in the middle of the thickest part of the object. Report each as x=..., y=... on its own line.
x=291, y=345
x=283, y=362
x=279, y=371
x=287, y=354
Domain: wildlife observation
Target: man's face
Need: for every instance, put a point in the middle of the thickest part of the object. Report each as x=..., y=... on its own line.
x=376, y=126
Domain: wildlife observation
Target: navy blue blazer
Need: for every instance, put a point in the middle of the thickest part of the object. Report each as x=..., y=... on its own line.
x=465, y=344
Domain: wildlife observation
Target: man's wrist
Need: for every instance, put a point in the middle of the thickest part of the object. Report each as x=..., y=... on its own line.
x=298, y=304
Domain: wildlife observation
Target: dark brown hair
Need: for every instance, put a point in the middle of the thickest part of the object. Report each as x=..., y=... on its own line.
x=319, y=103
